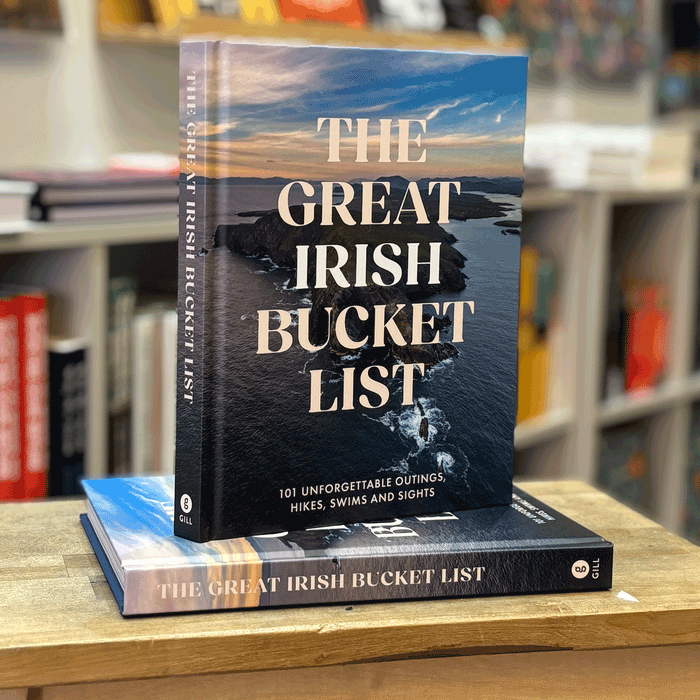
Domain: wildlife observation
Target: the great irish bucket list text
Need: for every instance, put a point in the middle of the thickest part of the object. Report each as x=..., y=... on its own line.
x=347, y=268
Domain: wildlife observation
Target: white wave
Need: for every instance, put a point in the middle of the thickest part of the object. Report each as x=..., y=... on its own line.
x=268, y=260
x=422, y=423
x=445, y=461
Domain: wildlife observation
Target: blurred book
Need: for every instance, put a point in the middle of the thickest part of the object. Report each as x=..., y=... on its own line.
x=678, y=85
x=28, y=306
x=220, y=8
x=636, y=353
x=538, y=285
x=10, y=457
x=691, y=515
x=121, y=305
x=74, y=196
x=35, y=15
x=615, y=341
x=145, y=163
x=125, y=12
x=67, y=414
x=646, y=349
x=603, y=156
x=15, y=205
x=623, y=464
x=169, y=13
x=411, y=15
x=350, y=13
x=154, y=351
x=259, y=11
x=462, y=14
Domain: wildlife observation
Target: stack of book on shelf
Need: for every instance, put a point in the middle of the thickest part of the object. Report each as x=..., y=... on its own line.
x=142, y=350
x=43, y=394
x=347, y=345
x=15, y=205
x=44, y=390
x=636, y=350
x=71, y=196
x=67, y=414
x=23, y=386
x=425, y=15
x=604, y=156
x=537, y=332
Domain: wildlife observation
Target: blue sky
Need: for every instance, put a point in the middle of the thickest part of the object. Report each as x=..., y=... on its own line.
x=268, y=98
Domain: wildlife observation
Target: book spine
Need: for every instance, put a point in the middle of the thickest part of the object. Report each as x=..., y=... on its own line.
x=361, y=578
x=67, y=408
x=143, y=379
x=192, y=464
x=33, y=393
x=122, y=300
x=10, y=458
x=168, y=389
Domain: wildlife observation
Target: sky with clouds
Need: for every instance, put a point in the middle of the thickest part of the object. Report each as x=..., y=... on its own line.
x=263, y=103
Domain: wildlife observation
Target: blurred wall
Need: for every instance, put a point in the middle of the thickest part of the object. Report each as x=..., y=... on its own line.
x=69, y=100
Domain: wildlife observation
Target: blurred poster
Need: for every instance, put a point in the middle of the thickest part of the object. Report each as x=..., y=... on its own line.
x=598, y=41
x=611, y=40
x=351, y=13
x=38, y=15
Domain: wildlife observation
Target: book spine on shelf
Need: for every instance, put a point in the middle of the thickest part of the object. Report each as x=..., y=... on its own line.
x=538, y=283
x=196, y=202
x=168, y=390
x=33, y=379
x=691, y=514
x=623, y=464
x=10, y=458
x=67, y=418
x=122, y=300
x=646, y=341
x=348, y=579
x=143, y=381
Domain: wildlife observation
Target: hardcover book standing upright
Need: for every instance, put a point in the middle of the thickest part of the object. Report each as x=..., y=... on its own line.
x=348, y=284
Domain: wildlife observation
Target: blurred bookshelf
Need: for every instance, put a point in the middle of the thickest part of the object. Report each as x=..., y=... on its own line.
x=591, y=238
x=152, y=34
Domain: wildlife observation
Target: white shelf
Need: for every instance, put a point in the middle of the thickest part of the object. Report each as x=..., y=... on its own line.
x=548, y=426
x=49, y=236
x=539, y=198
x=692, y=388
x=640, y=404
x=649, y=196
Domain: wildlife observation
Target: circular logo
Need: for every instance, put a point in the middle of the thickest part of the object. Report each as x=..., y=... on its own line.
x=580, y=568
x=186, y=505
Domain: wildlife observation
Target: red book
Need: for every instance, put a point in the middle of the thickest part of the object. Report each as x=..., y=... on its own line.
x=10, y=460
x=348, y=12
x=33, y=393
x=646, y=348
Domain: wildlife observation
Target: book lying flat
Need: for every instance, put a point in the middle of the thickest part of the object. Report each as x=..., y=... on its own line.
x=525, y=547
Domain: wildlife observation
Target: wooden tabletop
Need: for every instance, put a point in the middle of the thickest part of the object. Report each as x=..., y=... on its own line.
x=59, y=622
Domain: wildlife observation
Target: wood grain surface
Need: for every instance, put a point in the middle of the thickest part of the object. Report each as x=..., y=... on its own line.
x=651, y=673
x=59, y=623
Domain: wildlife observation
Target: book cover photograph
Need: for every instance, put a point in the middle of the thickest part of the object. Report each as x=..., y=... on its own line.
x=525, y=547
x=348, y=284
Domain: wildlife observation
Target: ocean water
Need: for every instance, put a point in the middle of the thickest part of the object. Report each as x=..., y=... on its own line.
x=269, y=441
